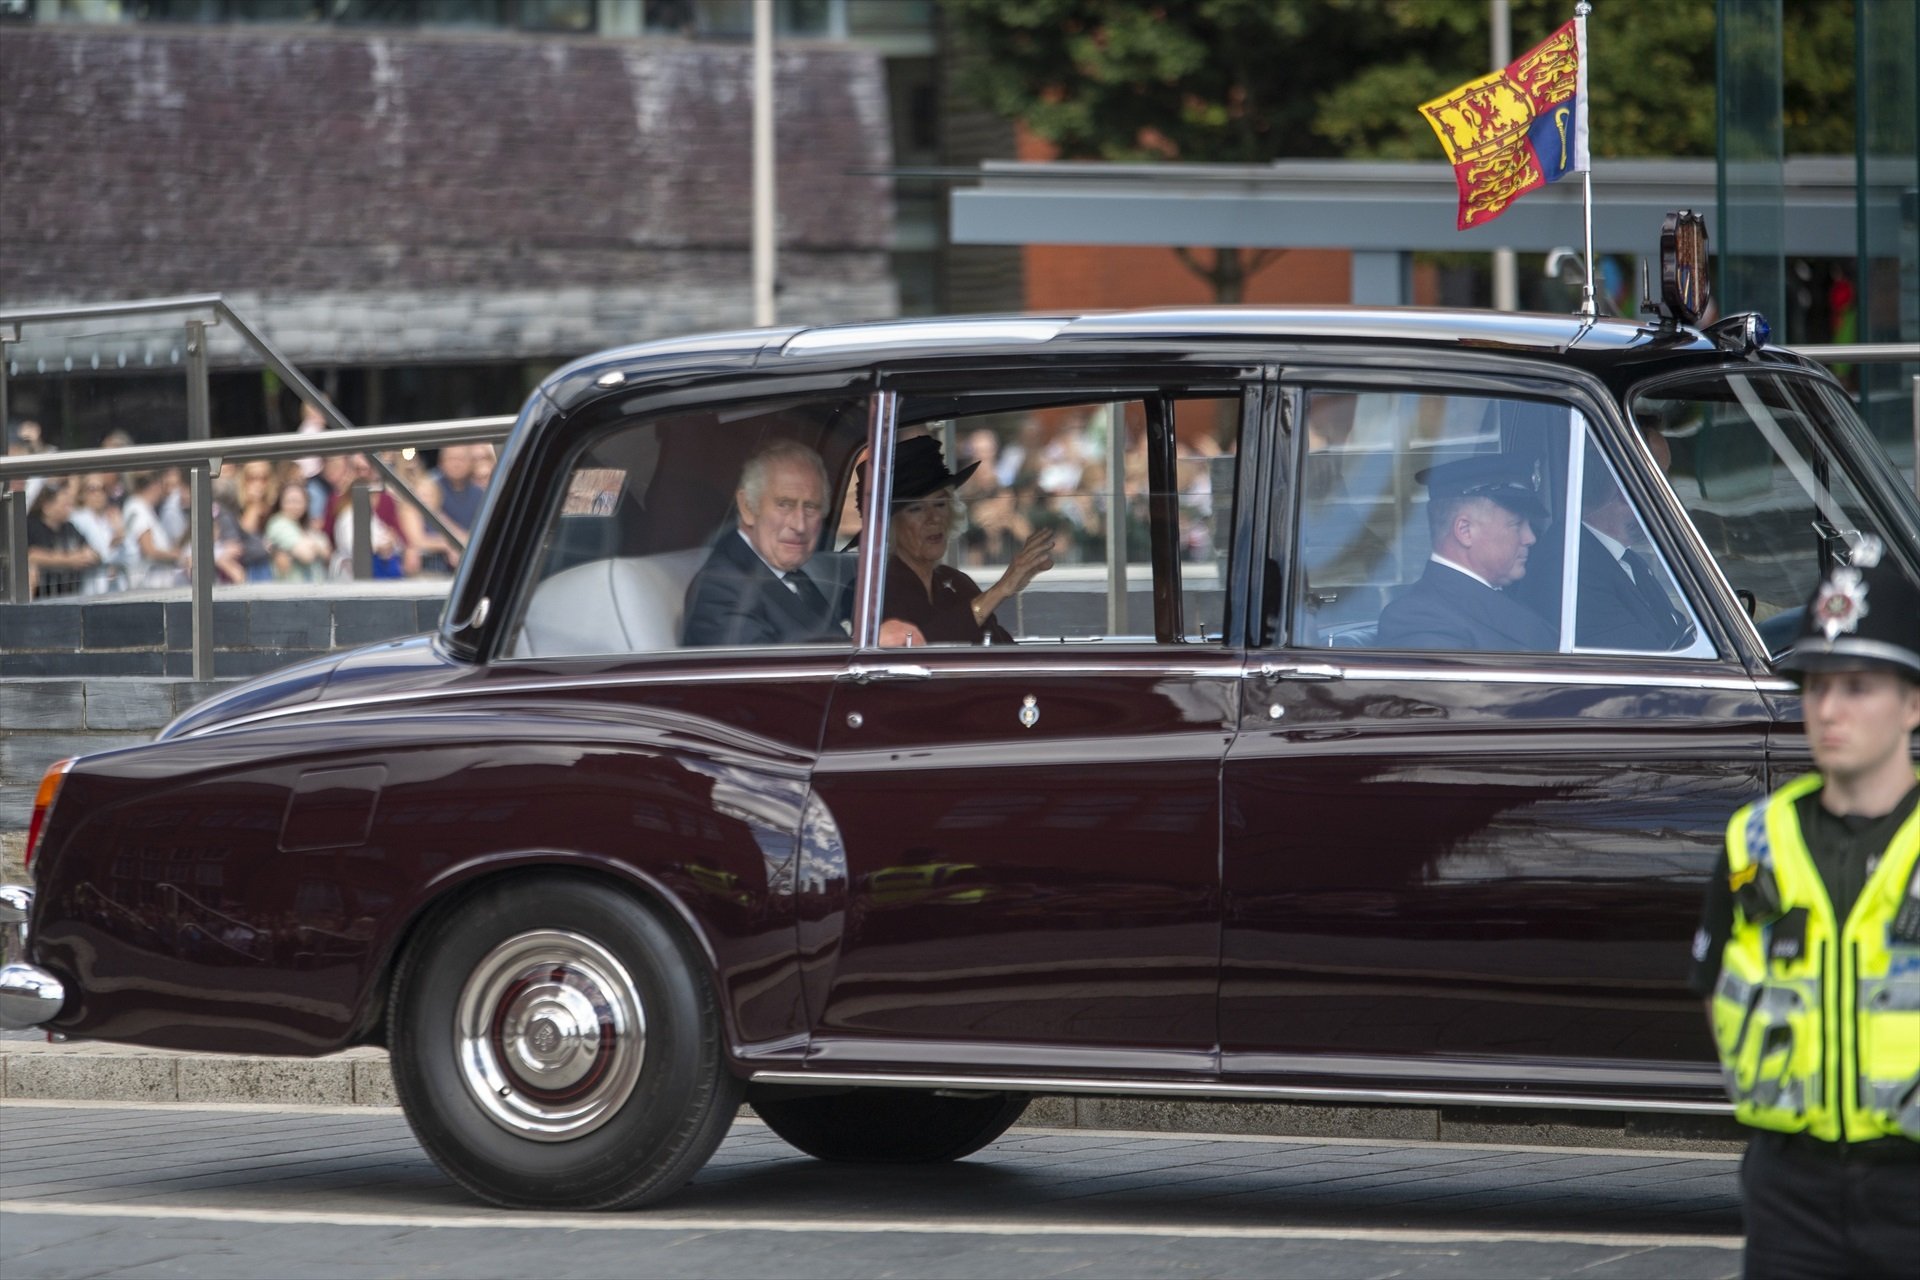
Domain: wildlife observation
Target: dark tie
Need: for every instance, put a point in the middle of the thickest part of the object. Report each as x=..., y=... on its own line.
x=809, y=594
x=1649, y=589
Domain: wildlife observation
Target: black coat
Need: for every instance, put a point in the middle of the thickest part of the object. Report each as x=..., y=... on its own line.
x=1448, y=610
x=1615, y=611
x=736, y=599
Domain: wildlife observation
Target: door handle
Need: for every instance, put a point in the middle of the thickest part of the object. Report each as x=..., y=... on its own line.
x=862, y=674
x=1295, y=671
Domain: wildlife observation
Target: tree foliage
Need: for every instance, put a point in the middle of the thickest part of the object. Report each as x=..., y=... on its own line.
x=1250, y=81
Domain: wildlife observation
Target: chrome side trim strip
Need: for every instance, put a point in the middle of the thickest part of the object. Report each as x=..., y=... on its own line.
x=1602, y=679
x=1232, y=1092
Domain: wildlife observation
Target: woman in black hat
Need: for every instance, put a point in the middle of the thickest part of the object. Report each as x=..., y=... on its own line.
x=947, y=605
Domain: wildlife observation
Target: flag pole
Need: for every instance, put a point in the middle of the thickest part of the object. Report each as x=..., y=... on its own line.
x=1588, y=307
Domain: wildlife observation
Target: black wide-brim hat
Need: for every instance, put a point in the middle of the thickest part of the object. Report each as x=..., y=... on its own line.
x=1863, y=614
x=1486, y=475
x=919, y=469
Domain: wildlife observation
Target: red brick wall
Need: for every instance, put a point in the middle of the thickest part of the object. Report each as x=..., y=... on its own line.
x=1096, y=277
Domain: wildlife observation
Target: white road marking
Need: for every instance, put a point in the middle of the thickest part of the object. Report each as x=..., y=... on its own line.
x=852, y=1226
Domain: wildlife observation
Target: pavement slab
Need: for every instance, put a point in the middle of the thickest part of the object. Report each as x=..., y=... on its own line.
x=216, y=1190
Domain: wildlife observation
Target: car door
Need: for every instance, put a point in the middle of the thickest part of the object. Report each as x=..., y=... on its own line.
x=1468, y=870
x=1027, y=833
x=658, y=749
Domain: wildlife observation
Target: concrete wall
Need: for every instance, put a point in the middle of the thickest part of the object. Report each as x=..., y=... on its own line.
x=94, y=675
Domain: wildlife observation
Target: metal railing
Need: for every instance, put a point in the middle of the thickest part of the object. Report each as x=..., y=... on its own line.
x=202, y=456
x=1877, y=353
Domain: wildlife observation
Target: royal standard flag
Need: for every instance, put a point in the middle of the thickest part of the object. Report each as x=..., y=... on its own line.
x=1517, y=129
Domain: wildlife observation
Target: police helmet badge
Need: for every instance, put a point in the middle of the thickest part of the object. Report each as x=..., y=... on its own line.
x=1865, y=612
x=1841, y=602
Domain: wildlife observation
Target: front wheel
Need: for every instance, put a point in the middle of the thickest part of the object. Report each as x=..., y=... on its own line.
x=555, y=1046
x=891, y=1126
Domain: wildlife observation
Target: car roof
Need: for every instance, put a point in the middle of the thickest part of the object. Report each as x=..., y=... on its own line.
x=1597, y=344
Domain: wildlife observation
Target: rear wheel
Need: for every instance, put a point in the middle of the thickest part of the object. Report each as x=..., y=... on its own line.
x=891, y=1126
x=555, y=1046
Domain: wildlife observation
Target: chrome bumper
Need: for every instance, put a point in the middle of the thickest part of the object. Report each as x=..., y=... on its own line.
x=29, y=995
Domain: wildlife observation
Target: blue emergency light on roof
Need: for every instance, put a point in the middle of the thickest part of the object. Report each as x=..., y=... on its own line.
x=1746, y=332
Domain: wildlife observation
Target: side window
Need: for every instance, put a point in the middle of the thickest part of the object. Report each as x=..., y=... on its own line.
x=1772, y=506
x=696, y=530
x=1053, y=524
x=1430, y=521
x=1626, y=598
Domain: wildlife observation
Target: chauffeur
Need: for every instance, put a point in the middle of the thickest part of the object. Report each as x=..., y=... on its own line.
x=1809, y=950
x=1485, y=516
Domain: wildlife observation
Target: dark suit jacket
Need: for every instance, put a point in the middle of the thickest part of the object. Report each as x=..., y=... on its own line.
x=1613, y=611
x=736, y=599
x=1446, y=609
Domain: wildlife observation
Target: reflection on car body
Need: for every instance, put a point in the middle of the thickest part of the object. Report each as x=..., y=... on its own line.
x=1195, y=833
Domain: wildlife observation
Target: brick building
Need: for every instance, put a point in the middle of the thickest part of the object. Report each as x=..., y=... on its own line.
x=428, y=219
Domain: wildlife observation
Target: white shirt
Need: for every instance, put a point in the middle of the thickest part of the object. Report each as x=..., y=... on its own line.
x=1615, y=548
x=778, y=573
x=1437, y=558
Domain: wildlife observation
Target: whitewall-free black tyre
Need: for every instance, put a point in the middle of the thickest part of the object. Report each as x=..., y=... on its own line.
x=556, y=1045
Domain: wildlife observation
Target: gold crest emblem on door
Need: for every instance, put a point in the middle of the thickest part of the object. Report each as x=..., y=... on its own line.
x=1029, y=711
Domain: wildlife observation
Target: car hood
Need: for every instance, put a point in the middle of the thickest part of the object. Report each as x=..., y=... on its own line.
x=375, y=669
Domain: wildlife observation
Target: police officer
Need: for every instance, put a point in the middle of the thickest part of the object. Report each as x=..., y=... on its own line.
x=1809, y=950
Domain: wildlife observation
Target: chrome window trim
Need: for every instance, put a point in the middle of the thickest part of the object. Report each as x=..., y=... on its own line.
x=1242, y=1092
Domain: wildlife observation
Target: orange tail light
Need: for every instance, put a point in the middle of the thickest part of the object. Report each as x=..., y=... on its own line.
x=43, y=804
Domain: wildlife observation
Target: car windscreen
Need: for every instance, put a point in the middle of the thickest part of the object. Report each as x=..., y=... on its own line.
x=1762, y=463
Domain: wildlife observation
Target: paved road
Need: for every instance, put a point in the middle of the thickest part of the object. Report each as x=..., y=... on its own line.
x=100, y=1189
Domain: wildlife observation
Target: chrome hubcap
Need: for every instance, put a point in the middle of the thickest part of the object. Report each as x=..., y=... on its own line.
x=551, y=1035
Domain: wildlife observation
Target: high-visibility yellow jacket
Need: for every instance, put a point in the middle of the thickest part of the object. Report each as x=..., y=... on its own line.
x=1818, y=1020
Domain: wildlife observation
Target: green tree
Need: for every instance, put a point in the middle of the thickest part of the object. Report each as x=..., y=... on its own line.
x=1249, y=81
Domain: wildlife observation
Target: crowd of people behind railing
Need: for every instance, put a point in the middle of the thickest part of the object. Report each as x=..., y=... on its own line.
x=285, y=521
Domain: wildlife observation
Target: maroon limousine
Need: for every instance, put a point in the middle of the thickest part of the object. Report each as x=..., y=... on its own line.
x=886, y=723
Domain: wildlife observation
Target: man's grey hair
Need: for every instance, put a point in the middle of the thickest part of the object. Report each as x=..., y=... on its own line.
x=753, y=476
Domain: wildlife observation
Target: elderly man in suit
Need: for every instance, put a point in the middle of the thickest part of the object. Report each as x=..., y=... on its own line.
x=1482, y=511
x=752, y=589
x=1622, y=604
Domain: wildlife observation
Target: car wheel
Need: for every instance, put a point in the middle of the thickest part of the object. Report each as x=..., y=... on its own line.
x=891, y=1126
x=556, y=1046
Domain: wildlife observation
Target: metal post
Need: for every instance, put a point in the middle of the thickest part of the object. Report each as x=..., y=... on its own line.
x=362, y=531
x=763, y=201
x=203, y=572
x=13, y=508
x=1116, y=521
x=1916, y=433
x=14, y=572
x=200, y=427
x=1506, y=266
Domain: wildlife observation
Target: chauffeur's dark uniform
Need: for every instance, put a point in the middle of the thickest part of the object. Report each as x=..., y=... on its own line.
x=1447, y=609
x=1809, y=954
x=735, y=599
x=1450, y=609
